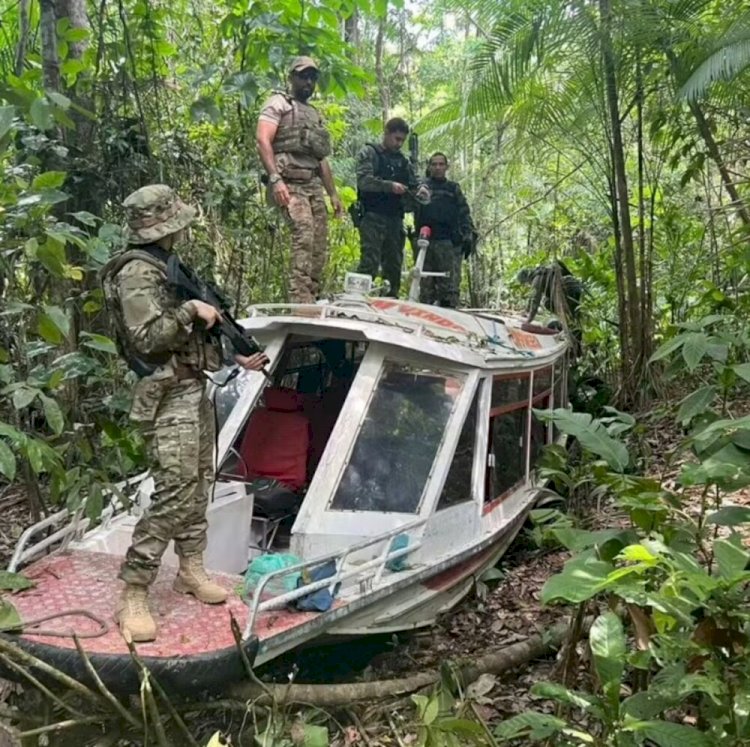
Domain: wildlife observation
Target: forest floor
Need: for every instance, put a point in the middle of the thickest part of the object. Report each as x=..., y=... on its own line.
x=498, y=613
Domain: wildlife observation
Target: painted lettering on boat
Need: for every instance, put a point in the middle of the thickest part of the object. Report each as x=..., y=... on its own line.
x=524, y=339
x=406, y=309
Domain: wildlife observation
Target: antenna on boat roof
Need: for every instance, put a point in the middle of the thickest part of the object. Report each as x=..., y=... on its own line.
x=423, y=243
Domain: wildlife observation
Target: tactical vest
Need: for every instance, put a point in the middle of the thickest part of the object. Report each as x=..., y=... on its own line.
x=441, y=214
x=301, y=133
x=203, y=354
x=392, y=167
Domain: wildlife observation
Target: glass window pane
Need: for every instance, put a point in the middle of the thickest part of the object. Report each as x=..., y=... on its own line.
x=561, y=399
x=398, y=441
x=542, y=381
x=539, y=431
x=457, y=488
x=510, y=391
x=227, y=396
x=508, y=446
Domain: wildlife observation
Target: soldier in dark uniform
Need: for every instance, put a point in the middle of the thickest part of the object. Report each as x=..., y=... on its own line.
x=452, y=234
x=384, y=180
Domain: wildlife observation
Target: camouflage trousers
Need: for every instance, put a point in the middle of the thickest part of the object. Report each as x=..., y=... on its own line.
x=307, y=217
x=181, y=445
x=382, y=248
x=442, y=256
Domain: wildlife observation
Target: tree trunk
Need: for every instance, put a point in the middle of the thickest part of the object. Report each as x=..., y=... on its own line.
x=382, y=86
x=632, y=359
x=50, y=58
x=713, y=151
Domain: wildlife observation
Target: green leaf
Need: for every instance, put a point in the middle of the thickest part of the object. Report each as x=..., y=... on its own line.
x=645, y=705
x=41, y=114
x=99, y=342
x=729, y=516
x=492, y=574
x=668, y=348
x=431, y=711
x=53, y=414
x=7, y=462
x=695, y=347
x=579, y=581
x=9, y=617
x=695, y=403
x=49, y=180
x=6, y=119
x=742, y=370
x=57, y=98
x=607, y=641
x=732, y=560
x=315, y=736
x=94, y=502
x=24, y=396
x=52, y=255
x=205, y=109
x=88, y=219
x=667, y=734
x=530, y=724
x=47, y=329
x=10, y=581
x=59, y=317
x=560, y=693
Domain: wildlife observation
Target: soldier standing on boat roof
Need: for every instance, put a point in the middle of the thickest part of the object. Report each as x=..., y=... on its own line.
x=387, y=187
x=167, y=342
x=293, y=145
x=452, y=234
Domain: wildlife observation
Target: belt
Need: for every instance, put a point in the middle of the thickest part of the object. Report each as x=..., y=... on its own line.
x=186, y=373
x=299, y=175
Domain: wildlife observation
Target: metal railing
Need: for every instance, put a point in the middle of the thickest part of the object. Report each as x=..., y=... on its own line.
x=76, y=525
x=374, y=566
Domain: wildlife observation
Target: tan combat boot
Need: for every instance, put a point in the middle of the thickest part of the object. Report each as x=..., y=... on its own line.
x=192, y=579
x=133, y=615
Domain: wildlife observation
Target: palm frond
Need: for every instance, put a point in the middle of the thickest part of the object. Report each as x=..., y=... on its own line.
x=729, y=58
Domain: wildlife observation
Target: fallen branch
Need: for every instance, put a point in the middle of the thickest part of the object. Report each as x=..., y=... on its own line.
x=346, y=693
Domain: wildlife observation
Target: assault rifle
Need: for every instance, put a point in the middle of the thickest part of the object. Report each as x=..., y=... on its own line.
x=189, y=287
x=414, y=150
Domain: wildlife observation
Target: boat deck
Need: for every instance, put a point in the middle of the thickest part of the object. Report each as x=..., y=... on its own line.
x=81, y=580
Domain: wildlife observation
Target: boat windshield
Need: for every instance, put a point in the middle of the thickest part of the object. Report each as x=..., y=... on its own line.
x=395, y=449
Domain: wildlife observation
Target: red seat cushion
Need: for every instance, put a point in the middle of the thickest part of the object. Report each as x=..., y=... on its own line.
x=277, y=441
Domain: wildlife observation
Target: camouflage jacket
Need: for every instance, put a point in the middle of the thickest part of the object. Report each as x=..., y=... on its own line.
x=153, y=325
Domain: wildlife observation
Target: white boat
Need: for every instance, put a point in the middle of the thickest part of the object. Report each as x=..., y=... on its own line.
x=404, y=439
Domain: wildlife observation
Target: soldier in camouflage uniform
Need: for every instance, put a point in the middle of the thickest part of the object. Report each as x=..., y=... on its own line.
x=293, y=145
x=166, y=342
x=451, y=238
x=384, y=180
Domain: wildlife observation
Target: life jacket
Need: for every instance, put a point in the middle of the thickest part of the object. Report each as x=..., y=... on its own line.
x=441, y=214
x=301, y=132
x=393, y=167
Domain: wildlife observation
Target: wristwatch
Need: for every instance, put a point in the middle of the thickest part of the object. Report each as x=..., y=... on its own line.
x=274, y=178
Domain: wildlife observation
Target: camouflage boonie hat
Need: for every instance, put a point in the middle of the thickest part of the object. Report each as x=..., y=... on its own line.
x=298, y=64
x=154, y=212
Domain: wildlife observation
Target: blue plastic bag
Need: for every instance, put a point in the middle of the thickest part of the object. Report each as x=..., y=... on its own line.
x=322, y=599
x=399, y=542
